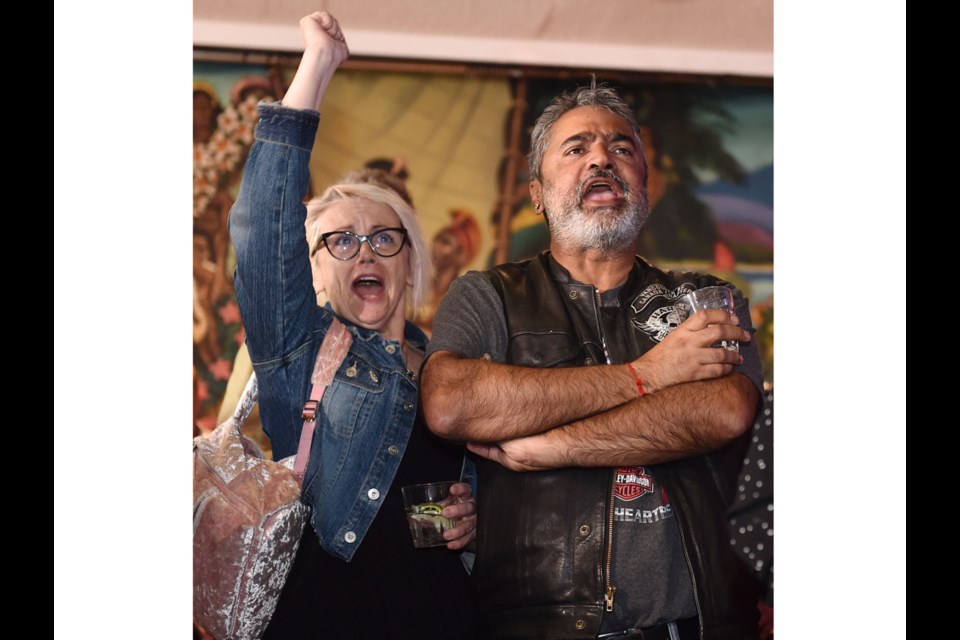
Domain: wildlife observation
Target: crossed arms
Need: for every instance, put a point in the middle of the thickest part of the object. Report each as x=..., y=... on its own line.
x=529, y=419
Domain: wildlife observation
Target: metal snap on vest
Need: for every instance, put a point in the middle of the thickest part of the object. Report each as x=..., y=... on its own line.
x=393, y=449
x=584, y=530
x=350, y=537
x=588, y=361
x=391, y=349
x=408, y=406
x=373, y=376
x=351, y=371
x=580, y=625
x=373, y=494
x=573, y=296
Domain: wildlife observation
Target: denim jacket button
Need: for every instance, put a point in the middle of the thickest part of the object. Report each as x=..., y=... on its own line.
x=393, y=449
x=351, y=371
x=373, y=494
x=373, y=376
x=391, y=349
x=350, y=537
x=408, y=406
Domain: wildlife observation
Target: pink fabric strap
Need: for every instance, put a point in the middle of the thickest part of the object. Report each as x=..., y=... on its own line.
x=332, y=352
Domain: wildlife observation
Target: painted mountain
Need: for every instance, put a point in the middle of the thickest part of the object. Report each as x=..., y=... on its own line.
x=744, y=214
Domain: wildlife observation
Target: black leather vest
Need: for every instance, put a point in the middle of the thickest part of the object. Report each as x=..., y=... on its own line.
x=542, y=536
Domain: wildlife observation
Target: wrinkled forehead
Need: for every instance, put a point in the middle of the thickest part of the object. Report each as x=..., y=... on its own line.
x=585, y=124
x=359, y=215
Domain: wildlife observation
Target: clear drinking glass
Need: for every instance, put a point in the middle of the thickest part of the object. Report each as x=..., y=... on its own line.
x=423, y=503
x=708, y=298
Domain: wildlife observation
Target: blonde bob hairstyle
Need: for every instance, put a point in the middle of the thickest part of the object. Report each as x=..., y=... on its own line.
x=419, y=261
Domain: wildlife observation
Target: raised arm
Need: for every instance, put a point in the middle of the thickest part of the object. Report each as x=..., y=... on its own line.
x=273, y=278
x=324, y=49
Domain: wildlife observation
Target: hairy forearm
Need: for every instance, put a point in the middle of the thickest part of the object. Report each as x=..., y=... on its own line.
x=677, y=422
x=483, y=401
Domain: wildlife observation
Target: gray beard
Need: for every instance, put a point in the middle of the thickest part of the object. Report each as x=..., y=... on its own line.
x=609, y=229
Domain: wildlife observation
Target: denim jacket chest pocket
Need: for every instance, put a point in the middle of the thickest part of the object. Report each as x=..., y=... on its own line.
x=355, y=399
x=367, y=414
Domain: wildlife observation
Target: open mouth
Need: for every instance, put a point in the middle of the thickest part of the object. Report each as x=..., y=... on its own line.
x=600, y=190
x=368, y=286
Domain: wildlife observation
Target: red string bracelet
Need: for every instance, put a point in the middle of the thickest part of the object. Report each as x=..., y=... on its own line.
x=637, y=379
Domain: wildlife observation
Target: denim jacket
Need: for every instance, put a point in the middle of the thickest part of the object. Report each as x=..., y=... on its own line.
x=368, y=412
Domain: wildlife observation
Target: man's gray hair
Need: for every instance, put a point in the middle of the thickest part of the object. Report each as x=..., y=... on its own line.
x=601, y=97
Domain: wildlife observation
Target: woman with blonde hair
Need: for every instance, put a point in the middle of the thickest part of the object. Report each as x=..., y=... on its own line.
x=357, y=574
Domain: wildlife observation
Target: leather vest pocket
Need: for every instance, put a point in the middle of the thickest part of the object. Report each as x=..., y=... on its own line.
x=543, y=349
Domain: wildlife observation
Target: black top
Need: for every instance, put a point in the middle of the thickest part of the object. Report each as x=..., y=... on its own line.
x=389, y=589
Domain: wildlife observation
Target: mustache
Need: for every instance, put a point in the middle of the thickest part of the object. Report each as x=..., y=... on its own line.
x=602, y=173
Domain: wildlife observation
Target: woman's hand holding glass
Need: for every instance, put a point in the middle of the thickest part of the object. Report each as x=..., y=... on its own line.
x=465, y=513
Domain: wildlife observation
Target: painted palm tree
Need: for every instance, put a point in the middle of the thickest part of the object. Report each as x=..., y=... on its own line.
x=683, y=127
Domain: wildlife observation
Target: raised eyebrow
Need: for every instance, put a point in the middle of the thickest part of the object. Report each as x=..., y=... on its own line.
x=346, y=229
x=350, y=228
x=622, y=137
x=577, y=138
x=375, y=230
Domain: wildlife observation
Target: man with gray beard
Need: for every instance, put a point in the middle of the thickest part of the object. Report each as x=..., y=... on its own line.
x=602, y=425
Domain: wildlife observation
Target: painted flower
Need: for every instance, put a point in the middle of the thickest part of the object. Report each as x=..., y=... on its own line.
x=230, y=312
x=245, y=133
x=219, y=157
x=228, y=120
x=248, y=108
x=220, y=369
x=207, y=423
x=203, y=389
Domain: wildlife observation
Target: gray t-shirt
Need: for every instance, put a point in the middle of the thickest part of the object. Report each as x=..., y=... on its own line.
x=649, y=568
x=471, y=323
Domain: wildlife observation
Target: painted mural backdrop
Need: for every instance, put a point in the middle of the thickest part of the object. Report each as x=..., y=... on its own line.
x=224, y=116
x=445, y=136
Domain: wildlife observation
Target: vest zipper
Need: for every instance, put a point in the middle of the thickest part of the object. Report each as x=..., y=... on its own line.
x=603, y=339
x=693, y=577
x=611, y=590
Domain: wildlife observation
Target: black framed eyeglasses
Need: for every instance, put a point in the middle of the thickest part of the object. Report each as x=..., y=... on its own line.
x=345, y=245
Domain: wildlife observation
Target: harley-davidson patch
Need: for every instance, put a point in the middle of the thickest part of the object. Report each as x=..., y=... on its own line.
x=631, y=483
